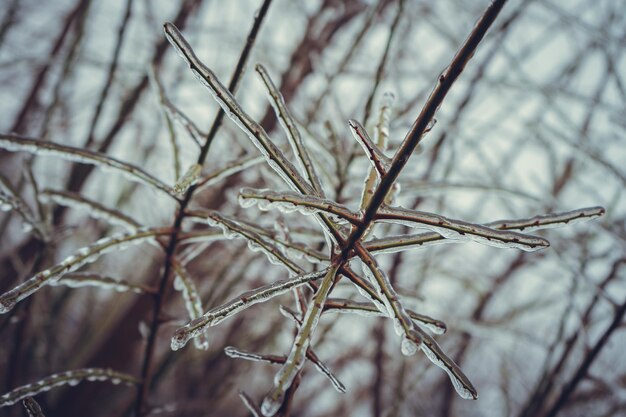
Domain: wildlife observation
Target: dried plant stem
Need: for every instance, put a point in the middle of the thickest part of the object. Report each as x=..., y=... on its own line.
x=421, y=124
x=146, y=368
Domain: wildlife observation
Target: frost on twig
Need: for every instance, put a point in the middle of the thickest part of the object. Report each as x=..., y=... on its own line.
x=250, y=405
x=81, y=257
x=235, y=353
x=237, y=304
x=65, y=378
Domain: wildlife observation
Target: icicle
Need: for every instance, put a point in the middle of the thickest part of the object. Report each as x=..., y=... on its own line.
x=395, y=309
x=379, y=160
x=319, y=365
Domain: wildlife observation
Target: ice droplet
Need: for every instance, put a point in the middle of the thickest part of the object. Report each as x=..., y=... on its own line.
x=408, y=347
x=270, y=405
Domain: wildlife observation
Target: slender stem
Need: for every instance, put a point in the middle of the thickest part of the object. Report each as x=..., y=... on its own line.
x=146, y=369
x=421, y=124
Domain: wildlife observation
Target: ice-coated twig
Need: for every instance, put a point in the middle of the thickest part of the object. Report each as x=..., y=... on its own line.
x=436, y=355
x=91, y=207
x=193, y=303
x=461, y=230
x=549, y=221
x=17, y=143
x=288, y=201
x=292, y=249
x=378, y=159
x=402, y=323
x=275, y=158
x=174, y=113
x=232, y=228
x=81, y=257
x=382, y=139
x=404, y=242
x=199, y=236
x=11, y=200
x=87, y=279
x=295, y=360
x=229, y=169
x=233, y=352
x=32, y=407
x=65, y=378
x=237, y=304
x=250, y=405
x=293, y=135
x=163, y=104
x=343, y=305
x=189, y=178
x=415, y=187
x=257, y=135
x=312, y=356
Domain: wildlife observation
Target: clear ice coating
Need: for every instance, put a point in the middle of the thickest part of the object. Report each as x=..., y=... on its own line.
x=289, y=126
x=408, y=347
x=288, y=202
x=379, y=160
x=232, y=228
x=237, y=304
x=81, y=257
x=83, y=156
x=460, y=230
x=94, y=209
x=64, y=378
x=275, y=158
x=271, y=404
x=188, y=179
